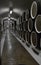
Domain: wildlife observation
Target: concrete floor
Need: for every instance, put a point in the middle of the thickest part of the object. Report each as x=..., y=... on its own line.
x=14, y=53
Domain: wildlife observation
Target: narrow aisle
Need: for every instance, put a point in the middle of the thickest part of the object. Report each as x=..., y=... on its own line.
x=14, y=53
x=7, y=57
x=2, y=42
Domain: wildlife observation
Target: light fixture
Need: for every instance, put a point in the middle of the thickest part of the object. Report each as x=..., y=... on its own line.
x=11, y=12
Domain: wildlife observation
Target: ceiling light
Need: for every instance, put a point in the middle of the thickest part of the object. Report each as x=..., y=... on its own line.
x=11, y=12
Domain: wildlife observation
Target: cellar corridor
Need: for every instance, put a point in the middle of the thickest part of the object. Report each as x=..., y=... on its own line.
x=20, y=32
x=14, y=53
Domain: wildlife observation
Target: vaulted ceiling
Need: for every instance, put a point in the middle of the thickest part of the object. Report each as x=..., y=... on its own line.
x=16, y=4
x=23, y=4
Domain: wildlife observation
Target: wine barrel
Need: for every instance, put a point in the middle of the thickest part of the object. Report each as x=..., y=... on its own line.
x=20, y=34
x=24, y=26
x=27, y=15
x=23, y=35
x=40, y=42
x=38, y=24
x=33, y=39
x=20, y=19
x=17, y=23
x=27, y=36
x=23, y=16
x=35, y=8
x=30, y=25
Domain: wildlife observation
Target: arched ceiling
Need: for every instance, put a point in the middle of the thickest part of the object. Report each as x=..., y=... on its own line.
x=18, y=5
x=23, y=4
